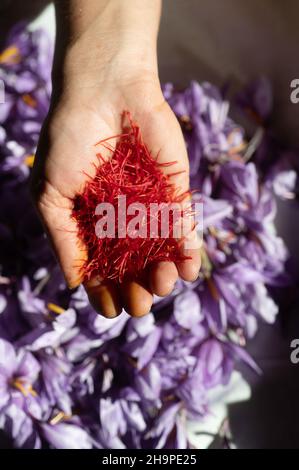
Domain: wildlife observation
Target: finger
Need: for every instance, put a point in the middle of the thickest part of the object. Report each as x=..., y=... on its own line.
x=137, y=298
x=104, y=297
x=189, y=268
x=163, y=276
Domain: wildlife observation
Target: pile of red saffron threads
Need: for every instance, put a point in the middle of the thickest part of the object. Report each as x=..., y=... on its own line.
x=132, y=172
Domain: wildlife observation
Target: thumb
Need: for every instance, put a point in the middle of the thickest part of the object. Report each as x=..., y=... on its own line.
x=55, y=211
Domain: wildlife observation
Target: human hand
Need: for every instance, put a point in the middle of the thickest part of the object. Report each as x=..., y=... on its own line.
x=87, y=108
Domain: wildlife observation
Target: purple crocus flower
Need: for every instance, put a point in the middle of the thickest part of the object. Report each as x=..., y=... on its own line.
x=66, y=436
x=169, y=428
x=214, y=365
x=72, y=379
x=119, y=416
x=25, y=67
x=55, y=373
x=19, y=427
x=211, y=137
x=19, y=371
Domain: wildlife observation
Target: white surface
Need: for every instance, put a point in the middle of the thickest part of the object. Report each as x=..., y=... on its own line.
x=220, y=397
x=46, y=21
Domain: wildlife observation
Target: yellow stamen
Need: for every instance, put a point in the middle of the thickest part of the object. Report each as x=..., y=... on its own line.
x=29, y=100
x=11, y=55
x=237, y=148
x=29, y=160
x=31, y=390
x=55, y=308
x=59, y=417
x=213, y=231
x=25, y=388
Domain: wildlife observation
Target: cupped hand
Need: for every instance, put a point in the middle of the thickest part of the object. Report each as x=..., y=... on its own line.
x=86, y=111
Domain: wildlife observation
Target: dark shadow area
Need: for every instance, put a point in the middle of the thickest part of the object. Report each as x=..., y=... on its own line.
x=5, y=442
x=270, y=419
x=13, y=11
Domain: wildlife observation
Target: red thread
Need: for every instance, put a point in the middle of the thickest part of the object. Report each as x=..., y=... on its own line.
x=133, y=172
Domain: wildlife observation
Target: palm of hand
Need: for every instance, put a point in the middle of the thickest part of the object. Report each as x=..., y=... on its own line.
x=66, y=154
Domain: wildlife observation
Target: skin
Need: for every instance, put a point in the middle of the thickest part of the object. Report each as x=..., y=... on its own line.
x=106, y=62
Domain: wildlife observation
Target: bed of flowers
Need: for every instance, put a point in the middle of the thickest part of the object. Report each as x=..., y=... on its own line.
x=70, y=378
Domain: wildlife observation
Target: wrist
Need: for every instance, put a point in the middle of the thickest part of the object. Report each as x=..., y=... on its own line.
x=119, y=43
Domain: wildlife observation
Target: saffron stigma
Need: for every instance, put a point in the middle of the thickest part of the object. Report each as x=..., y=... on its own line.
x=133, y=175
